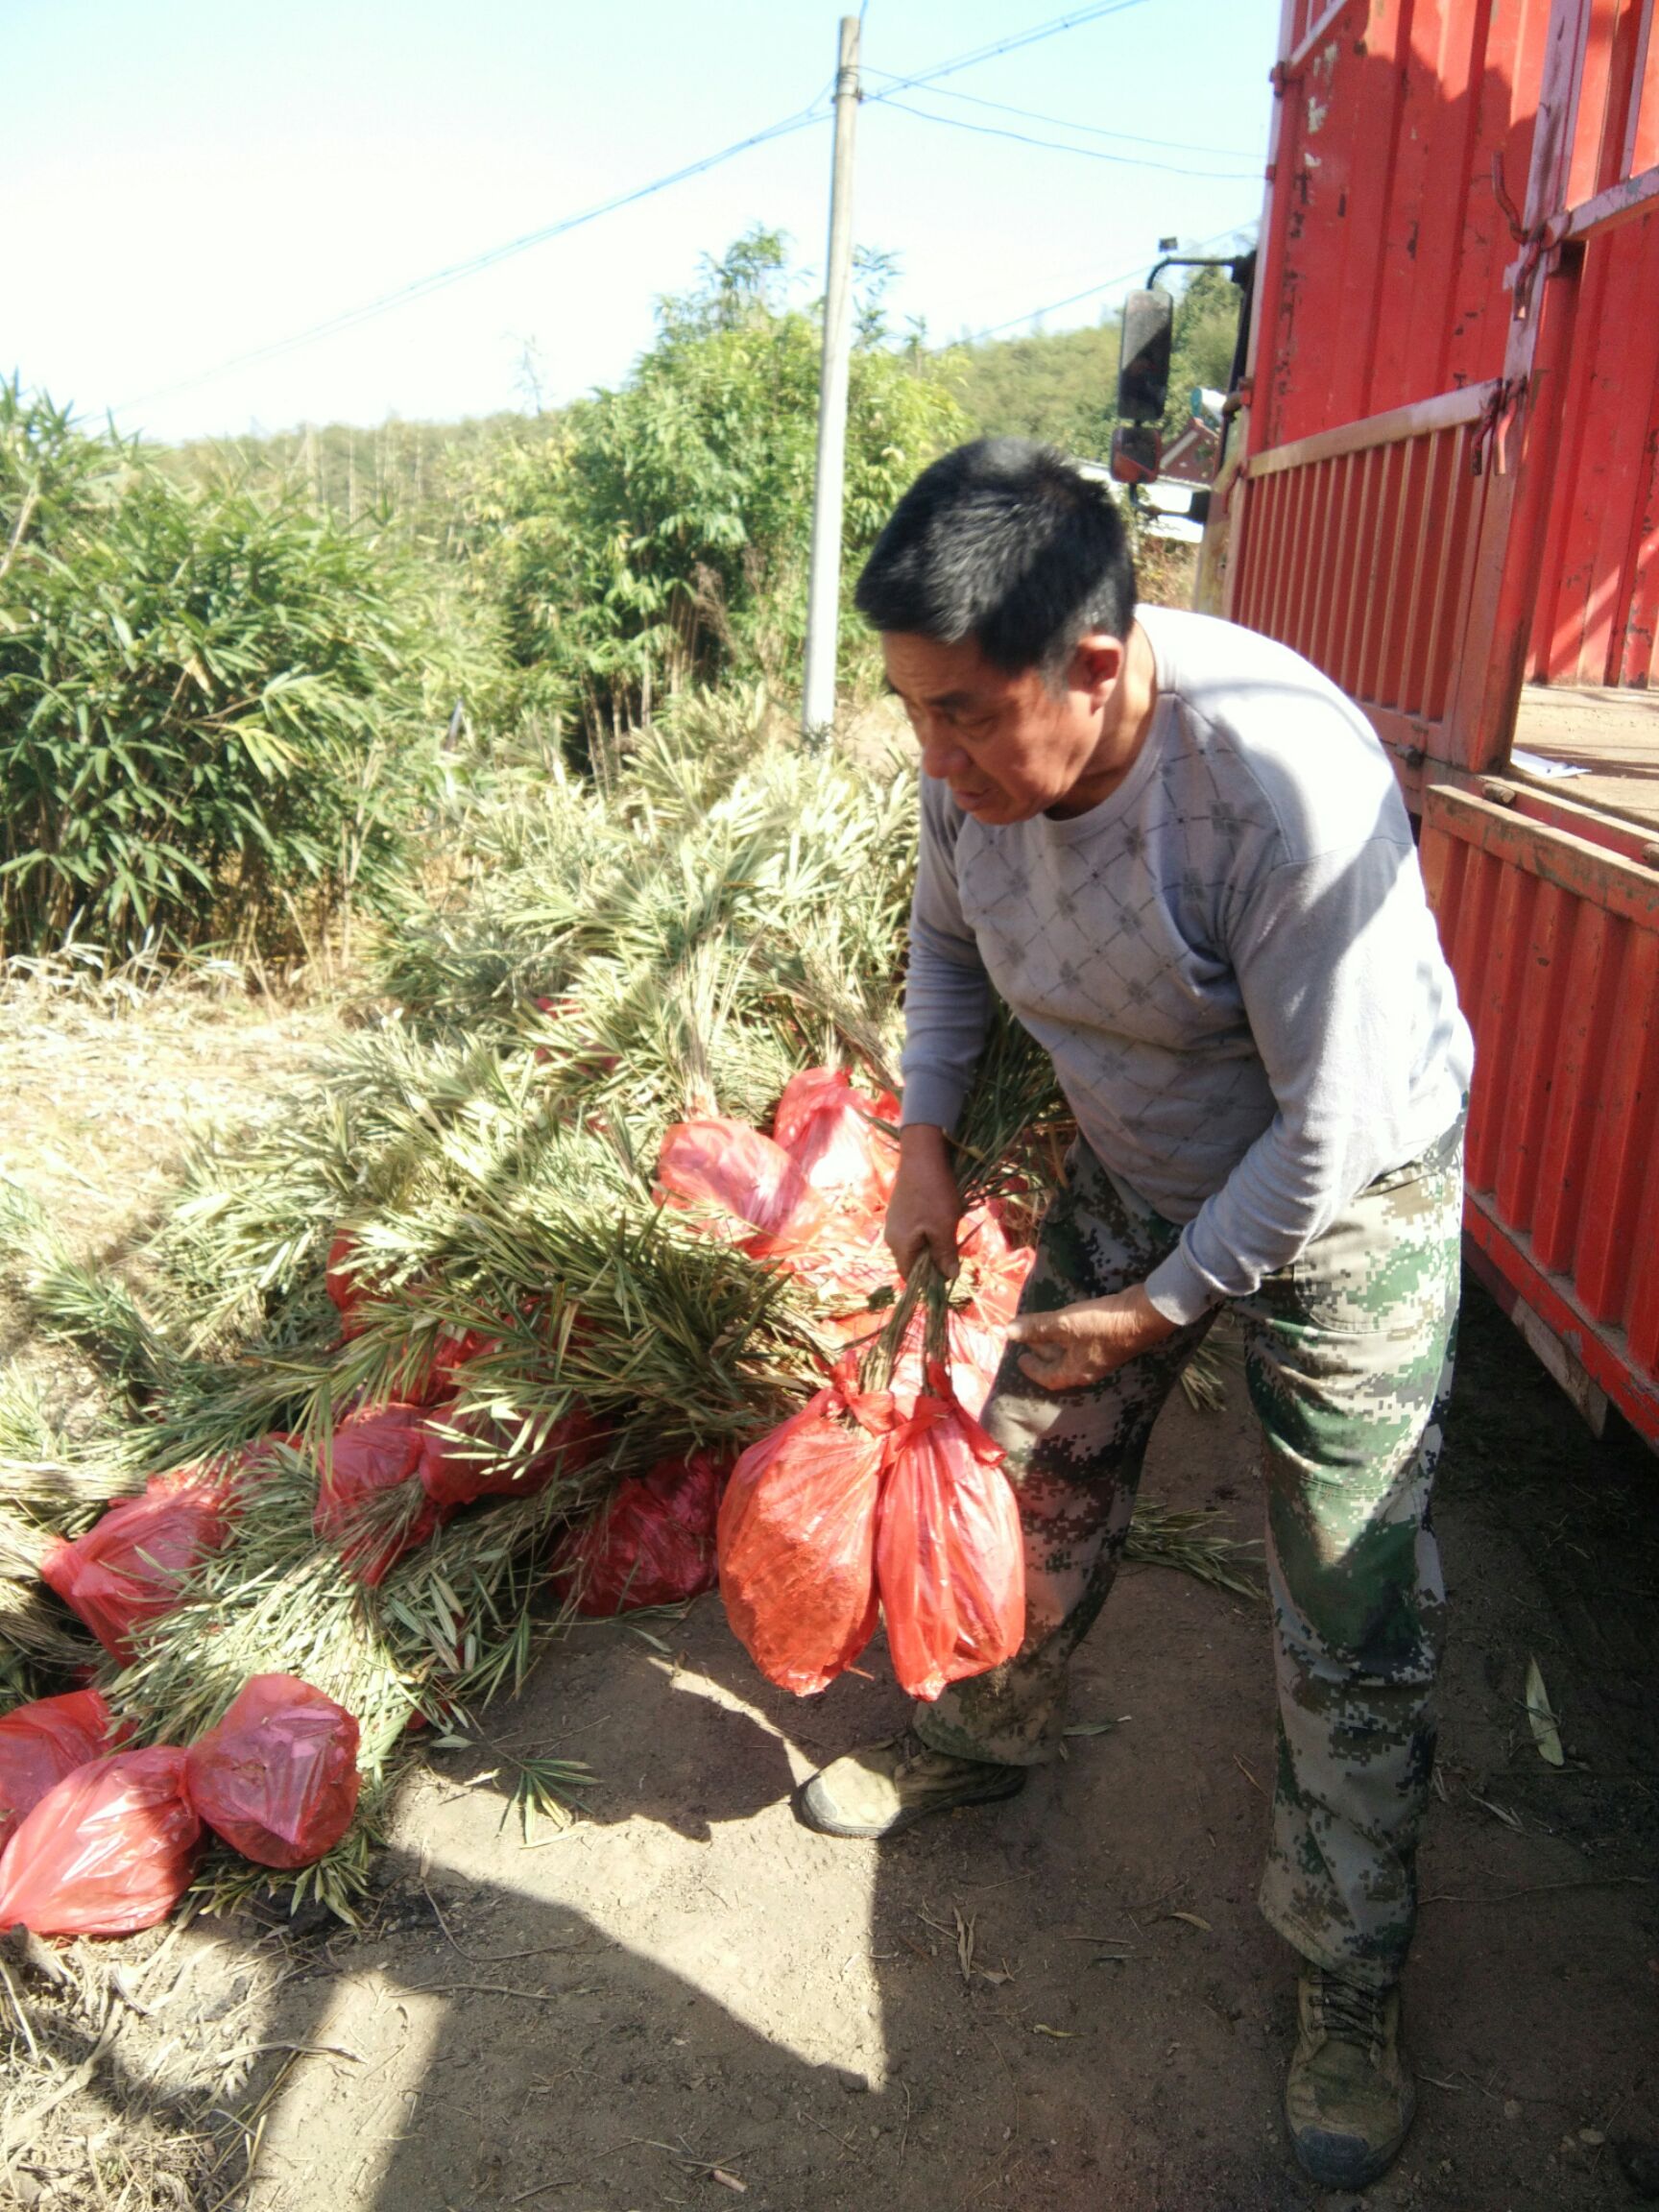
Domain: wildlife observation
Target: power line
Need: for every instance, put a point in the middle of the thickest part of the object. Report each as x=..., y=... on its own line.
x=439, y=279
x=1090, y=129
x=1058, y=146
x=1090, y=291
x=1032, y=38
x=421, y=287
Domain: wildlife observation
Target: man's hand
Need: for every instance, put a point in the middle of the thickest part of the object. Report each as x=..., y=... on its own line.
x=1083, y=1343
x=926, y=1205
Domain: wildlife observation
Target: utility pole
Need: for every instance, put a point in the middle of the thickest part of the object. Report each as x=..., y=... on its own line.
x=823, y=582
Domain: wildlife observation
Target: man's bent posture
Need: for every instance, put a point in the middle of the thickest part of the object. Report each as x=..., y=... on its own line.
x=1180, y=855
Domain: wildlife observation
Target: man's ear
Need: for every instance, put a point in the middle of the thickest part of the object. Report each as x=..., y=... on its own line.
x=1098, y=662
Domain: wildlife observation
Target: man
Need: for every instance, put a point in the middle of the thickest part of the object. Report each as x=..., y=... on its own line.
x=1180, y=855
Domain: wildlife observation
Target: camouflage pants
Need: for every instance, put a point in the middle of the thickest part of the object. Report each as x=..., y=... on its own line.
x=1348, y=1355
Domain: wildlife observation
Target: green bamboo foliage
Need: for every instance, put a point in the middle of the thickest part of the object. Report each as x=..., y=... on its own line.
x=722, y=910
x=654, y=537
x=212, y=727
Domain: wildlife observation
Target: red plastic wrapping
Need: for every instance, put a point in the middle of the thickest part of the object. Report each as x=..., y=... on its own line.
x=456, y=1349
x=733, y=1168
x=246, y=1463
x=461, y=1458
x=278, y=1777
x=342, y=1284
x=373, y=1453
x=560, y=1010
x=109, y=1850
x=43, y=1742
x=797, y=1537
x=837, y=1137
x=127, y=1567
x=653, y=1545
x=949, y=1561
x=984, y=1298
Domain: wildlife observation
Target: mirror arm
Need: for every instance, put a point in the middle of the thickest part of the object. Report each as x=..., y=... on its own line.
x=1232, y=262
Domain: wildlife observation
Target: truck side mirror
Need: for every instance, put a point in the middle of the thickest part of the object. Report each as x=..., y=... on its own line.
x=1143, y=361
x=1136, y=450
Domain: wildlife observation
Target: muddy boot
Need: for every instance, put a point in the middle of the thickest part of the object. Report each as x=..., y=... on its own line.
x=1348, y=2099
x=888, y=1787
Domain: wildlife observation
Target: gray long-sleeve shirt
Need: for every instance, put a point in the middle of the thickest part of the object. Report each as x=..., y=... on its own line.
x=1231, y=961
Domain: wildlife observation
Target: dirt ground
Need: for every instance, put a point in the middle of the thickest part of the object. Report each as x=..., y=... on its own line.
x=1067, y=2001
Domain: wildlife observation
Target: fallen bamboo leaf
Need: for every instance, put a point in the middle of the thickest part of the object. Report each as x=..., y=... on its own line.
x=1090, y=1728
x=1192, y=1920
x=1499, y=1812
x=964, y=1941
x=1060, y=2034
x=1545, y=1732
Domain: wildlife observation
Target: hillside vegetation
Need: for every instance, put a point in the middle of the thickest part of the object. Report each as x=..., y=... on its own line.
x=233, y=675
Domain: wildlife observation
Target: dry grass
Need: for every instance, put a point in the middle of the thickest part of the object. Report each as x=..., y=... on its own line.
x=120, y=2080
x=126, y=2070
x=99, y=1086
x=102, y=1078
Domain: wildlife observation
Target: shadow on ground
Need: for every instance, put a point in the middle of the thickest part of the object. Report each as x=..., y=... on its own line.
x=1066, y=2000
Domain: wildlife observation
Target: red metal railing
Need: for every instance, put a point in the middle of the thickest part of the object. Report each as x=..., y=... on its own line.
x=1555, y=945
x=1465, y=202
x=1592, y=218
x=1356, y=547
x=1307, y=23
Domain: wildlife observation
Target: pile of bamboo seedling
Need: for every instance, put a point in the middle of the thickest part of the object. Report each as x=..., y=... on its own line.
x=674, y=938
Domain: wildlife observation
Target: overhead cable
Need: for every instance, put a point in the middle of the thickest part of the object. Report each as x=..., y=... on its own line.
x=970, y=61
x=439, y=278
x=1091, y=291
x=1059, y=146
x=1088, y=130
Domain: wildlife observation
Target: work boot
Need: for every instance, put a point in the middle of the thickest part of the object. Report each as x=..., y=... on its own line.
x=888, y=1787
x=1348, y=2098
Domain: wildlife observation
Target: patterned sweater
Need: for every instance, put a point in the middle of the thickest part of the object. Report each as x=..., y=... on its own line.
x=1231, y=961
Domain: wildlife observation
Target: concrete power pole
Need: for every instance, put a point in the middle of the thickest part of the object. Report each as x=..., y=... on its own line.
x=824, y=583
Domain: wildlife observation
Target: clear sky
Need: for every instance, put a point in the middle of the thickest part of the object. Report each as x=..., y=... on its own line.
x=186, y=180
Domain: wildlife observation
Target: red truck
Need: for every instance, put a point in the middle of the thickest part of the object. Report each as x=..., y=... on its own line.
x=1442, y=486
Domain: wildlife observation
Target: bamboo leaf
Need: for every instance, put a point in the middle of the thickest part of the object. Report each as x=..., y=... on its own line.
x=1546, y=1734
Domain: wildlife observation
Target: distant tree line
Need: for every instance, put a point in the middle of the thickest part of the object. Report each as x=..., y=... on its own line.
x=228, y=670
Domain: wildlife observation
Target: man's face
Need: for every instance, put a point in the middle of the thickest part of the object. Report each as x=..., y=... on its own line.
x=1009, y=747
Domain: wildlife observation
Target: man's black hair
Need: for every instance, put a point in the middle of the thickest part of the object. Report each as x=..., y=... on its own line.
x=1008, y=542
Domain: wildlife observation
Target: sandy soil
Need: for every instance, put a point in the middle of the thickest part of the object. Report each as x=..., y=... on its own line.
x=1069, y=2001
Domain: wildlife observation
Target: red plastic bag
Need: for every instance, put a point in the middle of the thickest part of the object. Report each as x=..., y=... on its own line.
x=729, y=1166
x=43, y=1742
x=278, y=1777
x=464, y=1456
x=456, y=1348
x=369, y=1496
x=654, y=1543
x=342, y=1283
x=949, y=1561
x=127, y=1567
x=249, y=1462
x=836, y=1136
x=560, y=1010
x=797, y=1537
x=846, y=1264
x=984, y=1298
x=109, y=1850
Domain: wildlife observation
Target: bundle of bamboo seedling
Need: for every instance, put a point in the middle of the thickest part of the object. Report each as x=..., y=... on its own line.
x=672, y=942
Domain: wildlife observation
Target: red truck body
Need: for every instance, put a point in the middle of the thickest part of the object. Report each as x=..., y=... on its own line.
x=1444, y=489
